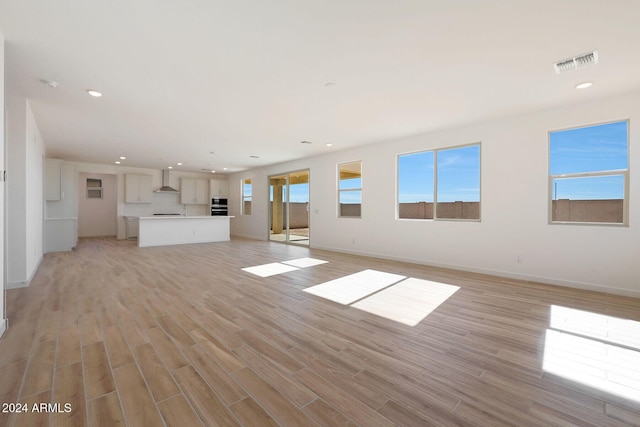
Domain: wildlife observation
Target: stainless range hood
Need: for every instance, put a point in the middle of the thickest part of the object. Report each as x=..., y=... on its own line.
x=166, y=188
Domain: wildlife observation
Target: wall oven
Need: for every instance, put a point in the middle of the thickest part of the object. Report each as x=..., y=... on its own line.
x=219, y=207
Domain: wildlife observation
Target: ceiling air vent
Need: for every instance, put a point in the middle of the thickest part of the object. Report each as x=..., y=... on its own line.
x=576, y=62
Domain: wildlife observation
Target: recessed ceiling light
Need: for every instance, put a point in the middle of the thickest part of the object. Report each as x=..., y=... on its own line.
x=170, y=167
x=328, y=144
x=213, y=171
x=329, y=84
x=117, y=162
x=584, y=85
x=94, y=93
x=179, y=164
x=49, y=83
x=224, y=169
x=123, y=158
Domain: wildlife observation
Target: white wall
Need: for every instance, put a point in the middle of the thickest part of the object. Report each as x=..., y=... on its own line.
x=34, y=151
x=97, y=217
x=25, y=153
x=16, y=191
x=514, y=206
x=3, y=323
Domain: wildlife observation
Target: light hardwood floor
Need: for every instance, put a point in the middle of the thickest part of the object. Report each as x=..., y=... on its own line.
x=180, y=336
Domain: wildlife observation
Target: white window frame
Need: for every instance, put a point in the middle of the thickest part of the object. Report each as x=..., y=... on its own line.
x=347, y=190
x=244, y=198
x=435, y=152
x=613, y=172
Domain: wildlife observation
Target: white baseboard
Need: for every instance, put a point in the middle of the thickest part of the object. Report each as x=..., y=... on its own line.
x=25, y=284
x=4, y=323
x=247, y=236
x=499, y=273
x=16, y=285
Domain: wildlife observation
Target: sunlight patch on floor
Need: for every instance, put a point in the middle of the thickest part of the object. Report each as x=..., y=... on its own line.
x=266, y=270
x=593, y=363
x=595, y=350
x=599, y=326
x=353, y=287
x=408, y=302
x=274, y=268
x=304, y=262
x=392, y=296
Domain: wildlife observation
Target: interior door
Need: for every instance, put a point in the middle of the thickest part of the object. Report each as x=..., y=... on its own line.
x=289, y=208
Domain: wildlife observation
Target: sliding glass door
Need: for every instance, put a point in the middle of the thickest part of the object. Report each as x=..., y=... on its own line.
x=289, y=208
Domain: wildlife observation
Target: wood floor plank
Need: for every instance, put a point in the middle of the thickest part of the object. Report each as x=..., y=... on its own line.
x=249, y=413
x=181, y=318
x=17, y=343
x=175, y=331
x=218, y=352
x=90, y=331
x=11, y=376
x=342, y=401
x=132, y=332
x=139, y=408
x=228, y=390
x=105, y=411
x=39, y=374
x=117, y=348
x=327, y=416
x=155, y=373
x=47, y=329
x=142, y=316
x=292, y=390
x=269, y=398
x=177, y=413
x=97, y=371
x=275, y=355
x=169, y=354
x=69, y=389
x=403, y=416
x=68, y=350
x=203, y=399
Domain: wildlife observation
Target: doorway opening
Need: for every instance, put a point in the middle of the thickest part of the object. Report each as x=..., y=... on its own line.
x=289, y=208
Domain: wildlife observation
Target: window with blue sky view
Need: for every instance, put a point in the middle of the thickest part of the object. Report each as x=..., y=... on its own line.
x=449, y=176
x=588, y=170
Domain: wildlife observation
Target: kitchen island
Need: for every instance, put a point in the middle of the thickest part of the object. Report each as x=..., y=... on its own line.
x=178, y=230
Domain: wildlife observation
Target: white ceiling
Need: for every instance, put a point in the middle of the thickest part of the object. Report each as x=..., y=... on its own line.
x=183, y=78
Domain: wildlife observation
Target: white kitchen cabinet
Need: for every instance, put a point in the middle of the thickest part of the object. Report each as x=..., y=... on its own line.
x=53, y=179
x=137, y=188
x=219, y=187
x=194, y=191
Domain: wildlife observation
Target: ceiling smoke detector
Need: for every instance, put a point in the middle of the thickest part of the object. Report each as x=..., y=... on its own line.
x=576, y=62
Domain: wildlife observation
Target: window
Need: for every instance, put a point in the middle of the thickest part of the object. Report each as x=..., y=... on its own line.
x=246, y=197
x=440, y=184
x=94, y=188
x=350, y=190
x=588, y=174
